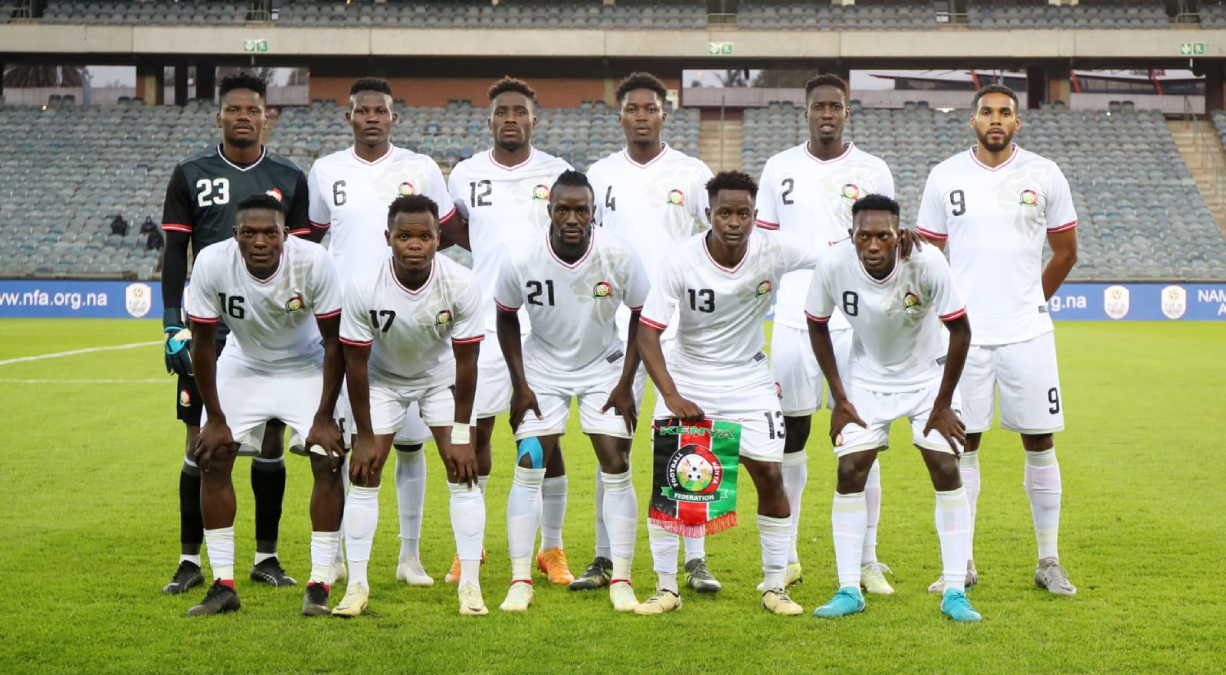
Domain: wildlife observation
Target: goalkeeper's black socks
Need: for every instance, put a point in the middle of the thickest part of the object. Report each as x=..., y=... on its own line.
x=268, y=485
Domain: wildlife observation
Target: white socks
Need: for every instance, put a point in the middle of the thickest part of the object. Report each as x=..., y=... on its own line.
x=695, y=548
x=621, y=513
x=968, y=467
x=410, y=499
x=361, y=518
x=872, y=500
x=795, y=475
x=849, y=520
x=340, y=543
x=1042, y=482
x=776, y=536
x=220, y=545
x=664, y=549
x=602, y=532
x=468, y=525
x=953, y=521
x=523, y=511
x=553, y=511
x=323, y=552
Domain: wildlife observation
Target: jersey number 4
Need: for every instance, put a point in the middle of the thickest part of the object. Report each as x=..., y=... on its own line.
x=213, y=192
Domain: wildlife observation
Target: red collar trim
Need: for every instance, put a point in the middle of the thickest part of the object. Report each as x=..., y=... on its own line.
x=1002, y=165
x=391, y=267
x=846, y=153
x=390, y=150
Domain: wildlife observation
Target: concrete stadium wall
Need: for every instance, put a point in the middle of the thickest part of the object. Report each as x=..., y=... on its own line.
x=434, y=92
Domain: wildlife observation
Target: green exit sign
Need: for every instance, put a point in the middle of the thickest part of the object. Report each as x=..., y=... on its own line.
x=258, y=46
x=1191, y=49
x=719, y=49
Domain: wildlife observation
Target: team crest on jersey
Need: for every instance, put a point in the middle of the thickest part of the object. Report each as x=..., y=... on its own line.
x=275, y=193
x=185, y=399
x=405, y=189
x=676, y=197
x=443, y=318
x=602, y=290
x=910, y=301
x=850, y=192
x=764, y=288
x=1174, y=301
x=1028, y=198
x=778, y=390
x=540, y=193
x=294, y=304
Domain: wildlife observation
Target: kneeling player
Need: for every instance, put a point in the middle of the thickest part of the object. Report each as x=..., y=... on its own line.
x=572, y=281
x=275, y=367
x=397, y=324
x=895, y=370
x=723, y=281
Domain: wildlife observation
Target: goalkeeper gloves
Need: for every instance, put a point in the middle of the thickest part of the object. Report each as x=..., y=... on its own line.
x=178, y=344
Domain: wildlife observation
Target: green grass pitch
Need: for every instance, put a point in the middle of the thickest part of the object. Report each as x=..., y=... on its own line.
x=88, y=488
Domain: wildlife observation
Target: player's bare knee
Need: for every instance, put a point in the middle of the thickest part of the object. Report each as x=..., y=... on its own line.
x=972, y=442
x=530, y=454
x=555, y=465
x=943, y=469
x=853, y=471
x=1038, y=442
x=797, y=433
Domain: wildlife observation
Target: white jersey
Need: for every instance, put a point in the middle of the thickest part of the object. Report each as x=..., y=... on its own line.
x=651, y=206
x=722, y=310
x=896, y=338
x=996, y=220
x=504, y=206
x=270, y=320
x=572, y=306
x=408, y=330
x=802, y=194
x=350, y=195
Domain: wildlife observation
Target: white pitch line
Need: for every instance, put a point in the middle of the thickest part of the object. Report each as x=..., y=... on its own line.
x=40, y=357
x=162, y=381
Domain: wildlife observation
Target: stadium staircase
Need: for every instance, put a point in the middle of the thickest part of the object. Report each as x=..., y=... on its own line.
x=1201, y=147
x=709, y=144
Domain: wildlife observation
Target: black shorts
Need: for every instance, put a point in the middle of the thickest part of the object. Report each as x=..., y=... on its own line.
x=188, y=406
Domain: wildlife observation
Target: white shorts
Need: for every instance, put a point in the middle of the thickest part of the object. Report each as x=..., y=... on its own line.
x=591, y=386
x=880, y=409
x=797, y=377
x=412, y=432
x=1029, y=382
x=250, y=398
x=493, y=395
x=390, y=404
x=748, y=398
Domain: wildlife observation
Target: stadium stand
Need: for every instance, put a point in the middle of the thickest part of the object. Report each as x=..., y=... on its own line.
x=1131, y=14
x=1143, y=219
x=111, y=13
x=816, y=15
x=1212, y=15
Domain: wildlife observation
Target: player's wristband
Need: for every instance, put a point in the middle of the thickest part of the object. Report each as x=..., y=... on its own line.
x=461, y=434
x=171, y=318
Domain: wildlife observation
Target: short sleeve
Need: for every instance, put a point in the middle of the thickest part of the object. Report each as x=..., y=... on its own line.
x=355, y=329
x=468, y=322
x=456, y=194
x=507, y=293
x=637, y=284
x=768, y=207
x=297, y=221
x=436, y=190
x=932, y=211
x=177, y=212
x=319, y=213
x=1061, y=215
x=946, y=297
x=885, y=182
x=663, y=297
x=819, y=304
x=325, y=286
x=202, y=302
x=701, y=200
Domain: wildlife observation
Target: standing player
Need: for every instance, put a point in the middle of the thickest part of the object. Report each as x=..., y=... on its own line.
x=398, y=322
x=809, y=190
x=995, y=205
x=350, y=192
x=572, y=282
x=200, y=210
x=653, y=197
x=719, y=287
x=894, y=370
x=502, y=196
x=280, y=296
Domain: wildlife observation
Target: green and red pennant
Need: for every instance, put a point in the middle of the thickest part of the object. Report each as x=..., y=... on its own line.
x=694, y=479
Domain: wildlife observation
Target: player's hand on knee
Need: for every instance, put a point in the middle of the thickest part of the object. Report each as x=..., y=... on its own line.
x=523, y=400
x=683, y=408
x=946, y=422
x=461, y=461
x=362, y=464
x=621, y=400
x=844, y=413
x=214, y=443
x=326, y=435
x=909, y=240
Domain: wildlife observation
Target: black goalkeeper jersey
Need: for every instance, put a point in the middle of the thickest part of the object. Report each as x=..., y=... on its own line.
x=205, y=189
